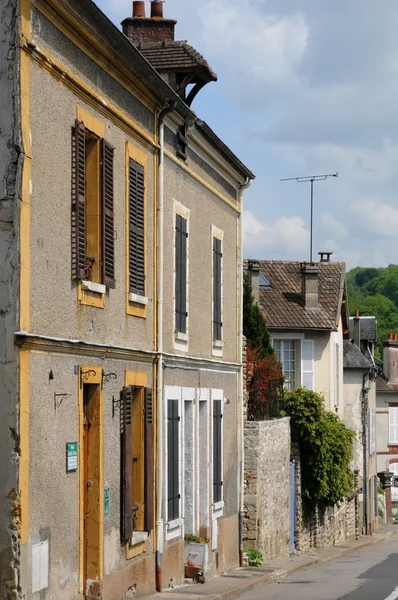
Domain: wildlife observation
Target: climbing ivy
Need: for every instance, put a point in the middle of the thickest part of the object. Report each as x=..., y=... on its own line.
x=326, y=448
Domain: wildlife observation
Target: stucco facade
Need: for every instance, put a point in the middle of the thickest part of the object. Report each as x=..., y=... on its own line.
x=76, y=350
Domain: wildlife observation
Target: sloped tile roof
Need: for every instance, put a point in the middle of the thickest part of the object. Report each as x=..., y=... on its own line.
x=178, y=55
x=353, y=358
x=385, y=386
x=282, y=305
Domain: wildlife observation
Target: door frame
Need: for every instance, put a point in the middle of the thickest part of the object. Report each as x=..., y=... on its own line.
x=91, y=375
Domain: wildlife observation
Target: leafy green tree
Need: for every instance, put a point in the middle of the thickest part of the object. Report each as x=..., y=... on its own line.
x=254, y=327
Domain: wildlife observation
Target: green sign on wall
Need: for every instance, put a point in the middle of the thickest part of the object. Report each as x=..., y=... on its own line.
x=71, y=457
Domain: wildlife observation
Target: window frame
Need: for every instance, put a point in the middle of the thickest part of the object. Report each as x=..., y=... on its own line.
x=136, y=305
x=282, y=343
x=217, y=506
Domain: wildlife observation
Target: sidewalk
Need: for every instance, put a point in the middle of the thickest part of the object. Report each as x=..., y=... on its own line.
x=239, y=581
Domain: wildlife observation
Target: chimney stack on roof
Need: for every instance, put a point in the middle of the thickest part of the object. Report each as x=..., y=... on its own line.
x=310, y=285
x=254, y=272
x=145, y=32
x=325, y=256
x=390, y=358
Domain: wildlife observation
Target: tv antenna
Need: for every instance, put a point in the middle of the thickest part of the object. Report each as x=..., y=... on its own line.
x=311, y=179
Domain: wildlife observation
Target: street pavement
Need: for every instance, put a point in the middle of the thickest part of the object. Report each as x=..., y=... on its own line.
x=365, y=569
x=370, y=574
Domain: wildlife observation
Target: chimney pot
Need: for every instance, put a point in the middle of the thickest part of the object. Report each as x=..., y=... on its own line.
x=139, y=9
x=357, y=313
x=254, y=270
x=390, y=336
x=157, y=9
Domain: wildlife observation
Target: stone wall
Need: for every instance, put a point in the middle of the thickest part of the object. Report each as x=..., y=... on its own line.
x=326, y=526
x=267, y=474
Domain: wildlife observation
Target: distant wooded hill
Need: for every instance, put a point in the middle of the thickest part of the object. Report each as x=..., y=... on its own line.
x=374, y=292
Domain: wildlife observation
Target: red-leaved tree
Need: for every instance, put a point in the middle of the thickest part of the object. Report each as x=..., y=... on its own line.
x=264, y=384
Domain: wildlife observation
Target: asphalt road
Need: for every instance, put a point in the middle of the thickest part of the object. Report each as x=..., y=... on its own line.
x=371, y=574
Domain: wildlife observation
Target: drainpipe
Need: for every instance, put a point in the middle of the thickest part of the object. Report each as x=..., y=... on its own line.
x=240, y=420
x=159, y=396
x=365, y=482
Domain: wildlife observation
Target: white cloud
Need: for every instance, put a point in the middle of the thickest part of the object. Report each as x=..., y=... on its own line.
x=285, y=238
x=376, y=217
x=333, y=226
x=258, y=45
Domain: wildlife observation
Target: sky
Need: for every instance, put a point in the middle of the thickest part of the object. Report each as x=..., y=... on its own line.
x=305, y=87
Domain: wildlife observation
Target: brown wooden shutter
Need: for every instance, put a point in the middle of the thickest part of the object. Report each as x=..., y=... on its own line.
x=78, y=201
x=149, y=461
x=217, y=257
x=108, y=234
x=181, y=274
x=136, y=228
x=126, y=400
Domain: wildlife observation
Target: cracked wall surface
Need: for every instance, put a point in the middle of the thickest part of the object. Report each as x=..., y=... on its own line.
x=10, y=157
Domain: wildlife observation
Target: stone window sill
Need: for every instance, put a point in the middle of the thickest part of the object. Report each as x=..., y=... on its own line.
x=92, y=286
x=137, y=299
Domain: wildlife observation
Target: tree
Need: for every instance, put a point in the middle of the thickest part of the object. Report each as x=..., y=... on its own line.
x=254, y=327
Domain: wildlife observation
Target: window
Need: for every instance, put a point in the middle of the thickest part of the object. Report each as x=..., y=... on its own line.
x=137, y=441
x=393, y=424
x=173, y=460
x=93, y=256
x=285, y=351
x=217, y=289
x=217, y=447
x=307, y=364
x=181, y=237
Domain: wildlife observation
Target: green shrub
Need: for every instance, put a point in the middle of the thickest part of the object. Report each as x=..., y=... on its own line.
x=326, y=449
x=255, y=557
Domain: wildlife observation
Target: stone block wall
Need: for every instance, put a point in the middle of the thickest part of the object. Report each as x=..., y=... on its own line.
x=267, y=482
x=326, y=526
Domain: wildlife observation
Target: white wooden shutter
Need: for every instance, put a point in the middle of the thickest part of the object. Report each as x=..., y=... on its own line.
x=307, y=364
x=393, y=424
x=372, y=430
x=394, y=489
x=337, y=375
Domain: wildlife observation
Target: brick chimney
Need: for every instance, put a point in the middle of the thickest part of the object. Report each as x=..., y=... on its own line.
x=143, y=31
x=390, y=358
x=356, y=329
x=310, y=285
x=254, y=271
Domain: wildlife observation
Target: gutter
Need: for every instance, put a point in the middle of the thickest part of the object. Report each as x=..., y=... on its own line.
x=241, y=391
x=159, y=383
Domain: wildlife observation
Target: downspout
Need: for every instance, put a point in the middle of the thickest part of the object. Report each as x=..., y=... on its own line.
x=365, y=483
x=240, y=419
x=159, y=395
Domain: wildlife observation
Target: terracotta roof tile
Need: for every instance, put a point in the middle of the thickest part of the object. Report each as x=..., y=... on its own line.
x=282, y=305
x=176, y=55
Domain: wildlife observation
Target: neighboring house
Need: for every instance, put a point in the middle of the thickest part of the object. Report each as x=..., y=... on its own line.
x=360, y=412
x=305, y=308
x=120, y=303
x=387, y=421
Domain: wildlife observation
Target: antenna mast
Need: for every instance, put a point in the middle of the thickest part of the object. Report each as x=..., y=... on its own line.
x=311, y=179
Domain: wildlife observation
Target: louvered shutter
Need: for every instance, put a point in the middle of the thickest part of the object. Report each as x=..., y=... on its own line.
x=217, y=257
x=136, y=228
x=217, y=451
x=78, y=201
x=149, y=458
x=393, y=424
x=307, y=364
x=126, y=400
x=181, y=274
x=173, y=479
x=108, y=233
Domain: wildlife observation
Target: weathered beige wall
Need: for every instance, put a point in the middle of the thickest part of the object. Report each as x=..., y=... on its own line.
x=205, y=211
x=266, y=523
x=54, y=307
x=353, y=413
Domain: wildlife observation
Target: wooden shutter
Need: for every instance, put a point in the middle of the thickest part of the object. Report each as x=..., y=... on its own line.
x=307, y=364
x=217, y=451
x=217, y=256
x=108, y=233
x=181, y=274
x=149, y=460
x=136, y=228
x=127, y=463
x=173, y=479
x=337, y=374
x=78, y=201
x=393, y=424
